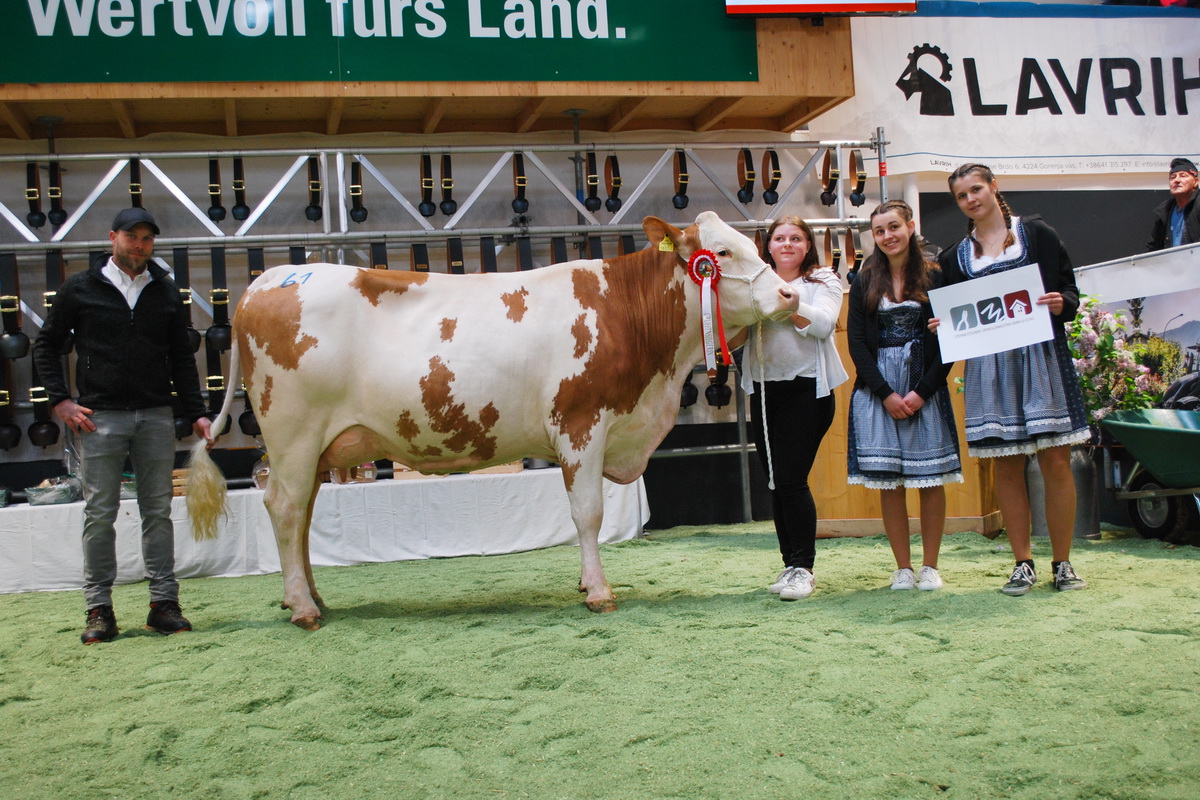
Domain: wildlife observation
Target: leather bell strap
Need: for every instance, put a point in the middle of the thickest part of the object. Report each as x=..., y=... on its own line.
x=612, y=183
x=358, y=212
x=524, y=253
x=591, y=179
x=449, y=205
x=487, y=254
x=426, y=207
x=558, y=250
x=135, y=182
x=626, y=244
x=830, y=173
x=40, y=398
x=54, y=192
x=833, y=251
x=854, y=252
x=297, y=255
x=379, y=259
x=216, y=211
x=240, y=210
x=454, y=256
x=11, y=433
x=746, y=175
x=420, y=257
x=220, y=293
x=183, y=280
x=10, y=301
x=313, y=210
x=702, y=268
x=520, y=204
x=859, y=171
x=56, y=273
x=771, y=177
x=595, y=247
x=33, y=193
x=215, y=380
x=681, y=178
x=256, y=262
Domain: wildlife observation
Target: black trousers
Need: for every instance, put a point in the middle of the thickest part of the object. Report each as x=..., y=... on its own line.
x=796, y=421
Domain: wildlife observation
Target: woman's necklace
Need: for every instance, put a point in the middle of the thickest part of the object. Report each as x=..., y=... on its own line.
x=991, y=242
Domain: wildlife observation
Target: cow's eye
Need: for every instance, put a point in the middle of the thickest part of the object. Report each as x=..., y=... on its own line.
x=722, y=252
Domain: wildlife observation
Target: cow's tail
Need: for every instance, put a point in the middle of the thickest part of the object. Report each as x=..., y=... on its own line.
x=205, y=484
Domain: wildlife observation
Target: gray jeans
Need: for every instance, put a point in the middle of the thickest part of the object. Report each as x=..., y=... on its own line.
x=147, y=437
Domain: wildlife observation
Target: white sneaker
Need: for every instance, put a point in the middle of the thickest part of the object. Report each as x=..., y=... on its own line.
x=903, y=579
x=781, y=581
x=928, y=579
x=799, y=585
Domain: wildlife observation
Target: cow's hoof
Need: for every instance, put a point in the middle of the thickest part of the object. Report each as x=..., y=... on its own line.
x=602, y=606
x=307, y=623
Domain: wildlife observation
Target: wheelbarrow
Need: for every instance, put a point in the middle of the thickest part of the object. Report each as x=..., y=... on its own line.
x=1162, y=489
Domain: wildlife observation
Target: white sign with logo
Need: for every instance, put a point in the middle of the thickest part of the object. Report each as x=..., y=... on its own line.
x=991, y=314
x=1103, y=91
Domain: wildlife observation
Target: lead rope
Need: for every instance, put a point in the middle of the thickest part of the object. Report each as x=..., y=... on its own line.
x=762, y=399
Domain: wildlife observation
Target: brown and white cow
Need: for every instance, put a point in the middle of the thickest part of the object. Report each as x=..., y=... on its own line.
x=580, y=363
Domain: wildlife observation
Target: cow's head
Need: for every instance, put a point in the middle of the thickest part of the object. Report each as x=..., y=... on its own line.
x=749, y=289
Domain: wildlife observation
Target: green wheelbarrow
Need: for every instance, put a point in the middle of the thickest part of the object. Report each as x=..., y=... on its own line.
x=1162, y=489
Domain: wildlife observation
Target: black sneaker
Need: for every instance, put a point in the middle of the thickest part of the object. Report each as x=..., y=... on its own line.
x=167, y=617
x=101, y=625
x=1022, y=580
x=1065, y=578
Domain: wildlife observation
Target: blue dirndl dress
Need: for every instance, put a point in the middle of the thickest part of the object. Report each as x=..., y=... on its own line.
x=917, y=452
x=1023, y=400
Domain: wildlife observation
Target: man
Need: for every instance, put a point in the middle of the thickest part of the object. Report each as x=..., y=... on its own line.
x=1177, y=221
x=131, y=344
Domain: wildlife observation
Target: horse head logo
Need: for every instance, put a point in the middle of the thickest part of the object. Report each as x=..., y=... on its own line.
x=936, y=100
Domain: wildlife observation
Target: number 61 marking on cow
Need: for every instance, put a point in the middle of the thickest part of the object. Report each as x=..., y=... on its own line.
x=292, y=279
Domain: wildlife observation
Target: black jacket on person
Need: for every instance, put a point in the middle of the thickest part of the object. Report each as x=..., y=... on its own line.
x=1047, y=251
x=863, y=342
x=125, y=358
x=1160, y=235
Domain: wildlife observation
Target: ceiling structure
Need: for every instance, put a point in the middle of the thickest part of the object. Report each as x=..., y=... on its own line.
x=805, y=68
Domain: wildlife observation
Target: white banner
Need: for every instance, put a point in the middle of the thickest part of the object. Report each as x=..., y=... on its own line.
x=1176, y=269
x=1035, y=94
x=991, y=314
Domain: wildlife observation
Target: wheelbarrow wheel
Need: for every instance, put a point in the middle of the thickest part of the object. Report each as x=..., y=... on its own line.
x=1166, y=518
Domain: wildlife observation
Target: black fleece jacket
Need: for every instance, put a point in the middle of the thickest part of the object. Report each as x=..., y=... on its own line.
x=1160, y=234
x=863, y=341
x=125, y=358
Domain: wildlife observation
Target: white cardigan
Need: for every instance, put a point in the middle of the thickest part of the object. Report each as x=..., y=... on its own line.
x=809, y=351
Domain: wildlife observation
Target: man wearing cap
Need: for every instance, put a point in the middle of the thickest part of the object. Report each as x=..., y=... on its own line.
x=1177, y=221
x=131, y=344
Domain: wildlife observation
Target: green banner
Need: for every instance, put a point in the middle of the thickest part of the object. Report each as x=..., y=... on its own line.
x=137, y=41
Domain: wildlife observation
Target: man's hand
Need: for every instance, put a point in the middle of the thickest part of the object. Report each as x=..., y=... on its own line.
x=74, y=416
x=203, y=428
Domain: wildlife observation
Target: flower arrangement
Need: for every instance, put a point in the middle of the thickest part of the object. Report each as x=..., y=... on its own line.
x=1110, y=371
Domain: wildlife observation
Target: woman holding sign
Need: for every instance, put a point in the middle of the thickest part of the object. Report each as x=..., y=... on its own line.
x=902, y=431
x=1025, y=400
x=793, y=404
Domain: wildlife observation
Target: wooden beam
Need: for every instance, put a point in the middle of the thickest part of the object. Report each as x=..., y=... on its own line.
x=15, y=120
x=808, y=109
x=124, y=118
x=333, y=116
x=624, y=112
x=531, y=113
x=714, y=112
x=231, y=120
x=433, y=115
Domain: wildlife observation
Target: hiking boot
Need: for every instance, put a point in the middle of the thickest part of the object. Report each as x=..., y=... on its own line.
x=799, y=585
x=903, y=579
x=1065, y=578
x=167, y=617
x=1021, y=581
x=101, y=625
x=781, y=581
x=928, y=579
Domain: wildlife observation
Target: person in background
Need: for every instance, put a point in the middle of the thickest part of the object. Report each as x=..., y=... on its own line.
x=1177, y=219
x=1026, y=400
x=791, y=368
x=130, y=331
x=902, y=432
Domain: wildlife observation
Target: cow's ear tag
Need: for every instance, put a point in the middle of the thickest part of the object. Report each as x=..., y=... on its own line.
x=666, y=245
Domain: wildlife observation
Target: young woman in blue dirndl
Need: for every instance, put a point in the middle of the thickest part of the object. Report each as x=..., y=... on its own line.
x=902, y=433
x=1026, y=400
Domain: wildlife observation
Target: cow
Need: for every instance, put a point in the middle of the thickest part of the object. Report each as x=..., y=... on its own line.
x=581, y=363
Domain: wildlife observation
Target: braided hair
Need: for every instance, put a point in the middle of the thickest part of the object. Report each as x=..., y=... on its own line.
x=878, y=276
x=986, y=175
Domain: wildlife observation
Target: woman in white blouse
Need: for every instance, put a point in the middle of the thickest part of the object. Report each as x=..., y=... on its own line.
x=792, y=367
